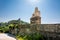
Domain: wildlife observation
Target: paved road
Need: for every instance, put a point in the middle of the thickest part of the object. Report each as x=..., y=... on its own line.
x=4, y=36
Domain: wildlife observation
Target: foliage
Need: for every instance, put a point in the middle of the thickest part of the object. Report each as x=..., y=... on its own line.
x=13, y=24
x=33, y=36
x=5, y=27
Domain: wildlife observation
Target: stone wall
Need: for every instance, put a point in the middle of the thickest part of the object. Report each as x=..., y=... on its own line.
x=43, y=28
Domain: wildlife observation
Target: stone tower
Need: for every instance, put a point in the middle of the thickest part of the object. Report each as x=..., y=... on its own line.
x=35, y=19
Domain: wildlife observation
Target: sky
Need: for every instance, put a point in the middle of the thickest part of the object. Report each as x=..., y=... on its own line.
x=23, y=9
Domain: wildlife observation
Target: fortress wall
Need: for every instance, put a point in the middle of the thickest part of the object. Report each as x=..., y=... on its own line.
x=43, y=28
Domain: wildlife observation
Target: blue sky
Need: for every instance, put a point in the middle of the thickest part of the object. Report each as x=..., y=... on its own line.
x=15, y=9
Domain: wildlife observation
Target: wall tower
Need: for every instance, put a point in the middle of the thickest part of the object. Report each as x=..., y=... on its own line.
x=35, y=19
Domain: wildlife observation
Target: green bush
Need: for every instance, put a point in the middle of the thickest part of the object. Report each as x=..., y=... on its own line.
x=33, y=36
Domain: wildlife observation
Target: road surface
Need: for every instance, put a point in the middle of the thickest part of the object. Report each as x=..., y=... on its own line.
x=4, y=36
